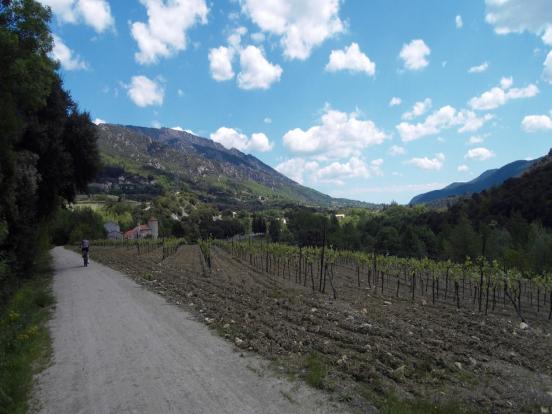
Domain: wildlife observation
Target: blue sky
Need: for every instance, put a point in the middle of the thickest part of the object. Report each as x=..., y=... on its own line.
x=372, y=100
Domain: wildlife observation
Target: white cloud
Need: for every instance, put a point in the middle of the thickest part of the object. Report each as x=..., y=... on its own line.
x=463, y=168
x=156, y=124
x=480, y=154
x=145, y=92
x=256, y=72
x=295, y=168
x=336, y=173
x=395, y=101
x=475, y=139
x=418, y=109
x=164, y=34
x=414, y=55
x=230, y=138
x=517, y=16
x=301, y=25
x=94, y=13
x=444, y=118
x=180, y=92
x=459, y=22
x=178, y=128
x=396, y=150
x=500, y=95
x=220, y=63
x=98, y=121
x=547, y=72
x=65, y=56
x=267, y=120
x=351, y=59
x=426, y=163
x=479, y=69
x=534, y=123
x=339, y=135
x=259, y=142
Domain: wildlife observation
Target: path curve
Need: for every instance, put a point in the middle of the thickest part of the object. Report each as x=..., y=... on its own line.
x=119, y=348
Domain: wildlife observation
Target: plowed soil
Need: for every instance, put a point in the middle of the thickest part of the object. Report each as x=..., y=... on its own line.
x=372, y=348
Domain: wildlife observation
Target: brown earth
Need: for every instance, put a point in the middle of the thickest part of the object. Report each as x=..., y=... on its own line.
x=364, y=348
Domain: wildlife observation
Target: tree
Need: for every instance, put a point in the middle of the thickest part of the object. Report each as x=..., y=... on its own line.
x=47, y=147
x=274, y=229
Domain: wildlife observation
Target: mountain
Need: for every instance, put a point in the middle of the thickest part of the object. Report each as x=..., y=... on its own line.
x=141, y=163
x=488, y=179
x=528, y=196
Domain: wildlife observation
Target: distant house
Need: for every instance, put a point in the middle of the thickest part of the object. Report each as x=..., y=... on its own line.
x=144, y=230
x=340, y=217
x=113, y=231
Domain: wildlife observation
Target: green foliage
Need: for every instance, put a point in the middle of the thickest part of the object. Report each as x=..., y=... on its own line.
x=396, y=406
x=24, y=339
x=47, y=147
x=70, y=227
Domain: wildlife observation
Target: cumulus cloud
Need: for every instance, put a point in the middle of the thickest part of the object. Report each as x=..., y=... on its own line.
x=547, y=72
x=339, y=135
x=145, y=92
x=352, y=60
x=231, y=138
x=256, y=71
x=395, y=101
x=459, y=22
x=463, y=168
x=517, y=16
x=500, y=95
x=164, y=34
x=442, y=119
x=178, y=128
x=426, y=163
x=295, y=168
x=98, y=121
x=94, y=13
x=66, y=57
x=301, y=25
x=336, y=173
x=396, y=150
x=479, y=154
x=479, y=69
x=220, y=63
x=267, y=120
x=414, y=55
x=535, y=123
x=418, y=109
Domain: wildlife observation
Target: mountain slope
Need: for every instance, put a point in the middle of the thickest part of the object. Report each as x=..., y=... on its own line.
x=529, y=195
x=144, y=161
x=486, y=180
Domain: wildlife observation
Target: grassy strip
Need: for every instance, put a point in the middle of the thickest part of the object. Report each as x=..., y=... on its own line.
x=24, y=339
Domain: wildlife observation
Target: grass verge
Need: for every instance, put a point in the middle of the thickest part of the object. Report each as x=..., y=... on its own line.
x=25, y=344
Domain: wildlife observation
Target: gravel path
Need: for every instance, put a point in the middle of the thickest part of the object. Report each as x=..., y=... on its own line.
x=121, y=349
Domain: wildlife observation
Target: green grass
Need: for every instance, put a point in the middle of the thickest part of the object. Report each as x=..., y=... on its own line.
x=395, y=406
x=24, y=340
x=316, y=371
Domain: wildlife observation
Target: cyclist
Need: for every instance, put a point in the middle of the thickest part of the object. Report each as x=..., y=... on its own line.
x=85, y=245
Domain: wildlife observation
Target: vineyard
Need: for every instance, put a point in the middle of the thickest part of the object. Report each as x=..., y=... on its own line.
x=369, y=329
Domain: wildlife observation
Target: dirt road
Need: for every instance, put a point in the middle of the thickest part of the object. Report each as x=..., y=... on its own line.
x=121, y=349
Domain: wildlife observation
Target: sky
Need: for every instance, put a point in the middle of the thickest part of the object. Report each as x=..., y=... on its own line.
x=373, y=100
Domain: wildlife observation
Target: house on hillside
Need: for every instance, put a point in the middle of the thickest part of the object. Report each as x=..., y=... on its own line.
x=113, y=231
x=150, y=230
x=340, y=217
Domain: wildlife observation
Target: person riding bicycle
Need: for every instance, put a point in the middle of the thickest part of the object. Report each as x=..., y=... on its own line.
x=85, y=245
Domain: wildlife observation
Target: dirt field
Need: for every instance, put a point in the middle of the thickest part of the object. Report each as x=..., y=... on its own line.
x=366, y=349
